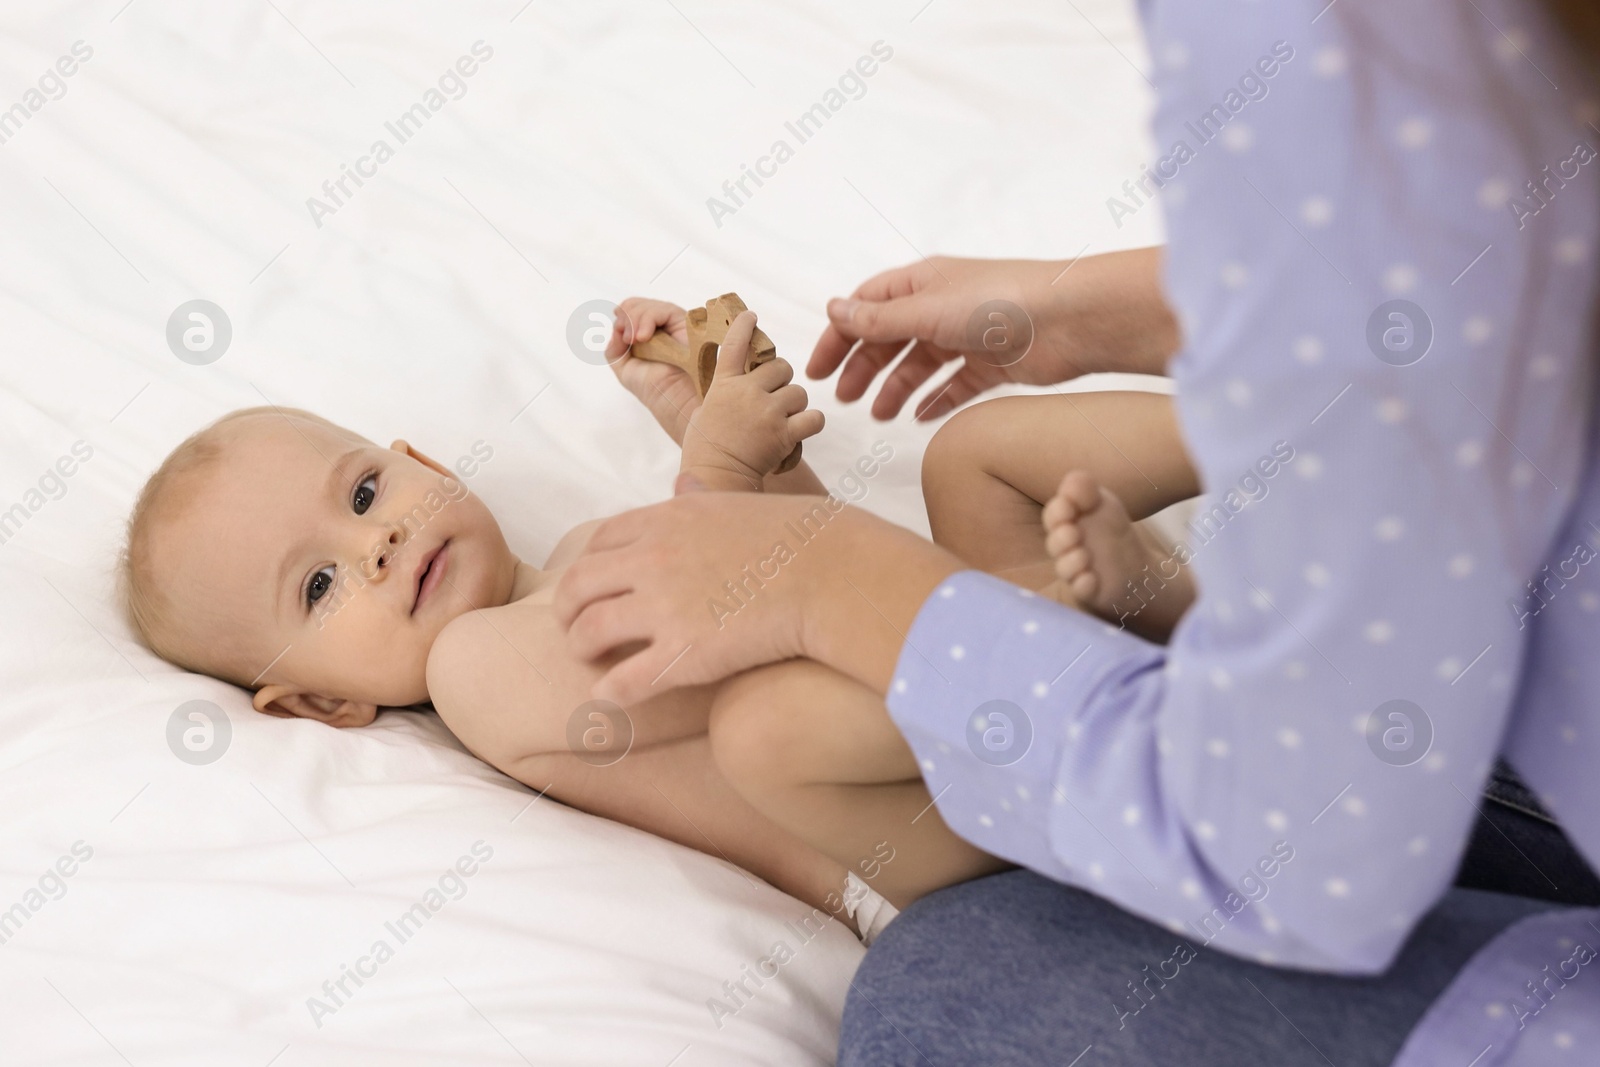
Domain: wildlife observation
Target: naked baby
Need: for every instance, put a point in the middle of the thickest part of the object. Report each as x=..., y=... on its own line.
x=334, y=577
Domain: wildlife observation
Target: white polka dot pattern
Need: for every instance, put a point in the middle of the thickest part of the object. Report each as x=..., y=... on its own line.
x=1394, y=556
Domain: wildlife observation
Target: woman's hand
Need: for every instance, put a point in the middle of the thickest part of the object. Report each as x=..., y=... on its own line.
x=1036, y=322
x=748, y=423
x=657, y=575
x=663, y=389
x=705, y=585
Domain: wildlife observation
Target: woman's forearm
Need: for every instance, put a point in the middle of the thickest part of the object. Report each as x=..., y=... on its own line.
x=866, y=583
x=1107, y=312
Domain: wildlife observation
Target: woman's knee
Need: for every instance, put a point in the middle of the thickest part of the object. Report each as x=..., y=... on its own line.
x=999, y=970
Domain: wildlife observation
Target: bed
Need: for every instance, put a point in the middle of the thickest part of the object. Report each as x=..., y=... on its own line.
x=186, y=882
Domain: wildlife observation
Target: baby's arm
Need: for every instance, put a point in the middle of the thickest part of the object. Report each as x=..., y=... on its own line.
x=504, y=685
x=726, y=444
x=748, y=422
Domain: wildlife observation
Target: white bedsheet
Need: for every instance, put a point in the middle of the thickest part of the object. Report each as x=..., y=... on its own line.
x=433, y=304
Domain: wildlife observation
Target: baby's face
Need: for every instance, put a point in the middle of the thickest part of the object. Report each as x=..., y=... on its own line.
x=329, y=564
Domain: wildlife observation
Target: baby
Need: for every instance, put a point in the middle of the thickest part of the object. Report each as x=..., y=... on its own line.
x=333, y=577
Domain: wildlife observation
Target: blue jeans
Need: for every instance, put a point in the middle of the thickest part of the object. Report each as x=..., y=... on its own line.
x=1015, y=969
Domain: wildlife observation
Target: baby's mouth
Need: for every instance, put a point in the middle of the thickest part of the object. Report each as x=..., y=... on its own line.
x=430, y=573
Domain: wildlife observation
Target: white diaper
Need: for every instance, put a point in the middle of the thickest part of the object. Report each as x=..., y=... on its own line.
x=863, y=904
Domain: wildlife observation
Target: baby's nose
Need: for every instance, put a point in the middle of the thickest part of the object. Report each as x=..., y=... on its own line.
x=384, y=551
x=387, y=550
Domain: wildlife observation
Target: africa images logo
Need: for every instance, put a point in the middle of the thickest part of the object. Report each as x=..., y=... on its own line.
x=337, y=192
x=1252, y=87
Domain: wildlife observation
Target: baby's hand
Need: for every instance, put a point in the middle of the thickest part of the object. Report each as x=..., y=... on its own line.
x=663, y=389
x=748, y=423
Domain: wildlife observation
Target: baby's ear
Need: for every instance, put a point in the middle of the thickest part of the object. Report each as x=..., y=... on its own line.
x=286, y=702
x=403, y=446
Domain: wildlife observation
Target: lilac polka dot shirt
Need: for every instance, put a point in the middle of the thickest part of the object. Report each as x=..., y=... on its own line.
x=1383, y=234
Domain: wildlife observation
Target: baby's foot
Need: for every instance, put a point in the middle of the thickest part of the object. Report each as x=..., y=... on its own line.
x=1110, y=564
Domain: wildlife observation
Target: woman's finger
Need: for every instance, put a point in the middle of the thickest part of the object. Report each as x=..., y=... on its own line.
x=835, y=343
x=830, y=350
x=593, y=577
x=601, y=572
x=918, y=365
x=896, y=281
x=626, y=527
x=904, y=318
x=863, y=366
x=636, y=678
x=960, y=387
x=873, y=357
x=606, y=625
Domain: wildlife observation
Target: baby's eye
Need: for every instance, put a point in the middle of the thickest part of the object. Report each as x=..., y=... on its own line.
x=365, y=492
x=318, y=586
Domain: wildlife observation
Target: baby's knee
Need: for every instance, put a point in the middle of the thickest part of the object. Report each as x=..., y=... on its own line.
x=960, y=456
x=750, y=729
x=952, y=450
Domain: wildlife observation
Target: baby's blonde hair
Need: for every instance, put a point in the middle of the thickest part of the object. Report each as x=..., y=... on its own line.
x=149, y=612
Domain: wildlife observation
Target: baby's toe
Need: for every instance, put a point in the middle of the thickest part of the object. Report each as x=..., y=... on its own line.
x=1057, y=510
x=1081, y=490
x=1084, y=586
x=1063, y=538
x=1072, y=563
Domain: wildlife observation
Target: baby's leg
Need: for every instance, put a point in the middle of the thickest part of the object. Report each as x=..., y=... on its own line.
x=817, y=753
x=990, y=471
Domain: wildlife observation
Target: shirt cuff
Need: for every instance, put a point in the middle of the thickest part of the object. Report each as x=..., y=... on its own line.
x=993, y=683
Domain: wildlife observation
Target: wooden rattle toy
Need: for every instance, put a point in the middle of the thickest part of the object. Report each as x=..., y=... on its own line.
x=708, y=327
